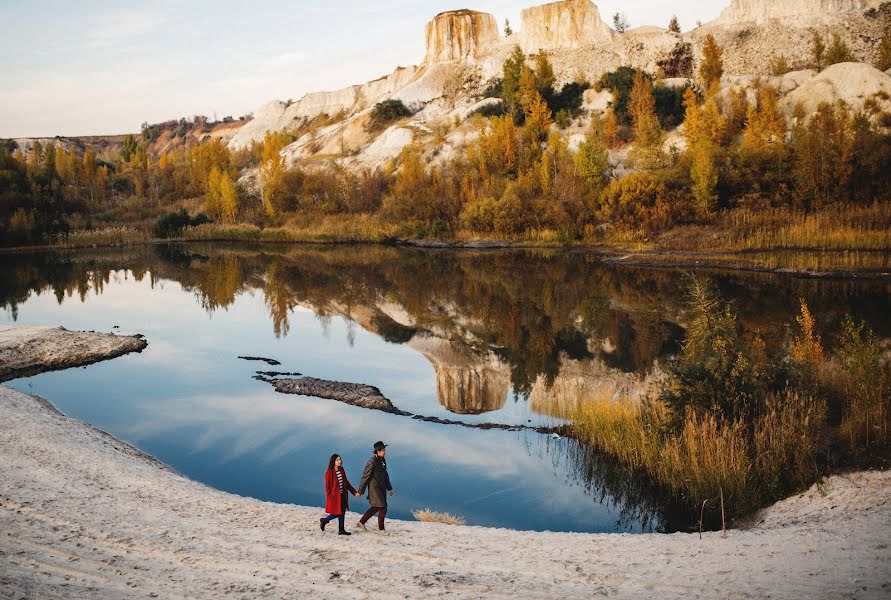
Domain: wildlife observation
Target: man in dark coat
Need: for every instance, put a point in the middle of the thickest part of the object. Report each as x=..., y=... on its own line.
x=377, y=480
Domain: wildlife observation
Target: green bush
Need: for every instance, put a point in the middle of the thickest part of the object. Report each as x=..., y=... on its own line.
x=386, y=112
x=172, y=224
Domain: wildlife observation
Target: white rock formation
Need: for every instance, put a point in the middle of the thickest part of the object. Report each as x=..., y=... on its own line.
x=567, y=24
x=278, y=115
x=854, y=83
x=792, y=12
x=460, y=35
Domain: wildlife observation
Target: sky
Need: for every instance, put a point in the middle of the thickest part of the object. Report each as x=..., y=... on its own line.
x=96, y=68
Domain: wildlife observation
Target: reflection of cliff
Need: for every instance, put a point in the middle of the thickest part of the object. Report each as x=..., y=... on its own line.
x=581, y=380
x=466, y=383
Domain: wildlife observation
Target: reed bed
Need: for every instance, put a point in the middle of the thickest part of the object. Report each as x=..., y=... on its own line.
x=840, y=227
x=108, y=236
x=748, y=464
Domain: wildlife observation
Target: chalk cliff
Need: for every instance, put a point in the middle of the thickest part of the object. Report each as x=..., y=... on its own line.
x=460, y=35
x=465, y=55
x=792, y=12
x=568, y=24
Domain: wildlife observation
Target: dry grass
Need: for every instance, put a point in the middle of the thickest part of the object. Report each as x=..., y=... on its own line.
x=340, y=228
x=841, y=227
x=709, y=457
x=109, y=236
x=431, y=516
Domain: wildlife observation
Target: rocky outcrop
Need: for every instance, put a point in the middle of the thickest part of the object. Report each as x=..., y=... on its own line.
x=568, y=24
x=278, y=115
x=460, y=35
x=854, y=83
x=792, y=12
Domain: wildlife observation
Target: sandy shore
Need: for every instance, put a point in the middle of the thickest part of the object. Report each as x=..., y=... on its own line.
x=84, y=515
x=29, y=350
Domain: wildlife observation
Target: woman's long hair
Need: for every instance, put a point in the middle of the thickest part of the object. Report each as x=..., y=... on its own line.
x=334, y=457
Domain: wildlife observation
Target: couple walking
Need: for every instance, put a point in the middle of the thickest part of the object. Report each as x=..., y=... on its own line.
x=338, y=489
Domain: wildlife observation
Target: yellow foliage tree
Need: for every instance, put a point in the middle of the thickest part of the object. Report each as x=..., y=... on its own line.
x=272, y=171
x=228, y=199
x=212, y=195
x=712, y=67
x=807, y=349
x=765, y=124
x=648, y=136
x=538, y=121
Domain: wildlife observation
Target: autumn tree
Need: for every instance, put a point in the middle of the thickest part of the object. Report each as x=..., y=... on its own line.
x=544, y=75
x=779, y=66
x=508, y=31
x=128, y=149
x=818, y=52
x=648, y=137
x=712, y=67
x=765, y=124
x=592, y=157
x=510, y=83
x=824, y=149
x=620, y=23
x=228, y=198
x=705, y=132
x=673, y=25
x=528, y=88
x=838, y=52
x=272, y=169
x=538, y=120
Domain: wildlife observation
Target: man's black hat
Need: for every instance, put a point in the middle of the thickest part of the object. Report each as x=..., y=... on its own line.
x=378, y=446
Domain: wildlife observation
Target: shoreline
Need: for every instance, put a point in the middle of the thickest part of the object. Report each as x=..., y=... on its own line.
x=84, y=514
x=724, y=260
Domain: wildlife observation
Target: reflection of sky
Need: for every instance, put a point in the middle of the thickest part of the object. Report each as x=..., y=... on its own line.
x=188, y=400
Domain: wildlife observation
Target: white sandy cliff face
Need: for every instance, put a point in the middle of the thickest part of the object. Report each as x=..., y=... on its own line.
x=465, y=53
x=460, y=35
x=799, y=12
x=569, y=24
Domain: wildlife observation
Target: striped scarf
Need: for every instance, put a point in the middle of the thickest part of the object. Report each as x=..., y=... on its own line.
x=339, y=479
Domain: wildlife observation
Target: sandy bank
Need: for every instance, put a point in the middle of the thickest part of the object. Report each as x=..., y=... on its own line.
x=85, y=515
x=28, y=350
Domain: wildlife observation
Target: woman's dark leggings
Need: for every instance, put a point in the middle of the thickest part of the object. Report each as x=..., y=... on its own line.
x=381, y=513
x=341, y=520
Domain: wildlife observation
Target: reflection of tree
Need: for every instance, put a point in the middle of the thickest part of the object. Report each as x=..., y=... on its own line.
x=221, y=283
x=279, y=299
x=531, y=309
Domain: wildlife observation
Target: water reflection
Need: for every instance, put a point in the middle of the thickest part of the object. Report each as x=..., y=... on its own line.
x=511, y=337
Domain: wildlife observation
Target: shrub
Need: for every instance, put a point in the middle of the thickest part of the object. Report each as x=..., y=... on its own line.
x=867, y=388
x=386, y=112
x=679, y=62
x=638, y=201
x=172, y=224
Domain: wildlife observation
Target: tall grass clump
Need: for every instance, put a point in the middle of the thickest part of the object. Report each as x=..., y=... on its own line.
x=432, y=516
x=866, y=387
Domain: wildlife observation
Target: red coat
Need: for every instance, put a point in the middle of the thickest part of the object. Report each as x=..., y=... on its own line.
x=333, y=497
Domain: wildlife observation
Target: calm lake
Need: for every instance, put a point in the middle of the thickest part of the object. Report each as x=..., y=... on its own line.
x=507, y=337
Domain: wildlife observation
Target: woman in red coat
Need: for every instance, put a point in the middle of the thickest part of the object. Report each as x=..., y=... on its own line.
x=337, y=490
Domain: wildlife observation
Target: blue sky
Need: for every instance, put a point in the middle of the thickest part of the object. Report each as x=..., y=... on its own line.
x=90, y=67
